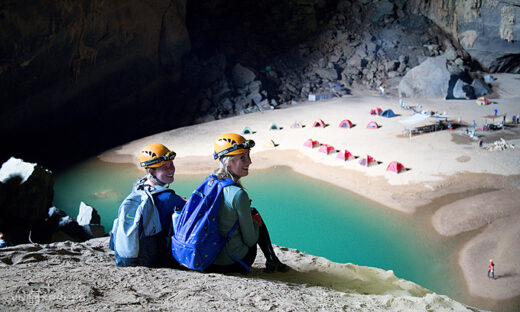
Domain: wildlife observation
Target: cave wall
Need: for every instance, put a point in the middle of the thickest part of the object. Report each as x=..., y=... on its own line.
x=68, y=68
x=94, y=74
x=488, y=30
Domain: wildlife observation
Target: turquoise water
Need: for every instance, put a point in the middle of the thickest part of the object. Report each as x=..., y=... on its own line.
x=302, y=213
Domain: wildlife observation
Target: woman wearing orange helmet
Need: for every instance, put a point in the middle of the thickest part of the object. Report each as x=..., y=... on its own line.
x=157, y=160
x=232, y=152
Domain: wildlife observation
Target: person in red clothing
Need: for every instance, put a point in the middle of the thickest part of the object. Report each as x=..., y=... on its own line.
x=491, y=271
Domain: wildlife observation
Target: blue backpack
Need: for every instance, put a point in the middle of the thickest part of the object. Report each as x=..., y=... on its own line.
x=133, y=233
x=196, y=241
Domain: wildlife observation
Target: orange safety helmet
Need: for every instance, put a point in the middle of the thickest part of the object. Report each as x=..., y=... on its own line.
x=155, y=155
x=231, y=144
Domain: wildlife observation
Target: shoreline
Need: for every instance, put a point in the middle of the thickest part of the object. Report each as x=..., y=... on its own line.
x=422, y=208
x=447, y=170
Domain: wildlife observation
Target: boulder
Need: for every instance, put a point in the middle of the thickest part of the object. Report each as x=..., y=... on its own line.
x=242, y=76
x=27, y=195
x=458, y=92
x=264, y=105
x=429, y=79
x=469, y=92
x=480, y=87
x=57, y=226
x=227, y=105
x=254, y=98
x=87, y=215
x=94, y=230
x=254, y=86
x=327, y=73
x=459, y=87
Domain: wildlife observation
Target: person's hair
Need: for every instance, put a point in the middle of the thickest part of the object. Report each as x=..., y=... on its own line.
x=150, y=177
x=222, y=172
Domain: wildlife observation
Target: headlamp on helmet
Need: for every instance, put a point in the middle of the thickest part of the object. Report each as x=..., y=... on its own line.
x=231, y=144
x=155, y=155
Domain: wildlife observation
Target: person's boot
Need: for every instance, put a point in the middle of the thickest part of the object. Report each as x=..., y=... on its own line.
x=272, y=263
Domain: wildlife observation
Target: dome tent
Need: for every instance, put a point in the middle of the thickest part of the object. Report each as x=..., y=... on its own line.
x=367, y=161
x=345, y=124
x=388, y=113
x=372, y=125
x=395, y=167
x=326, y=149
x=311, y=143
x=345, y=155
x=247, y=130
x=318, y=124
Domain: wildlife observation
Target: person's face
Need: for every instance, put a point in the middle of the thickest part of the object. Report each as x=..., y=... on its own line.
x=165, y=172
x=239, y=164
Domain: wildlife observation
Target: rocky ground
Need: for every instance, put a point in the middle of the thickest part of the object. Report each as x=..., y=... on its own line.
x=82, y=277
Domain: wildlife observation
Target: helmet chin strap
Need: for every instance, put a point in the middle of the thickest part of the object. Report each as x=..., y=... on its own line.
x=156, y=180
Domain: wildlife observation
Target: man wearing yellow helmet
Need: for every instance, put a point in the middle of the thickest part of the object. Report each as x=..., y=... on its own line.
x=232, y=152
x=157, y=160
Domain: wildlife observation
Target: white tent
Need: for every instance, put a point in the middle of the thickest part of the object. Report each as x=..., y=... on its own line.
x=412, y=120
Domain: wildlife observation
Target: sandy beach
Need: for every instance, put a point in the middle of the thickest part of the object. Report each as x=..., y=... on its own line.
x=470, y=190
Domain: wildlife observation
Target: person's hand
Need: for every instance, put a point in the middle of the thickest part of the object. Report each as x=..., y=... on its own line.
x=256, y=217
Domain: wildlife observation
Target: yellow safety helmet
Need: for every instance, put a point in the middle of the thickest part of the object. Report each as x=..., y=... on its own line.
x=155, y=155
x=490, y=260
x=231, y=144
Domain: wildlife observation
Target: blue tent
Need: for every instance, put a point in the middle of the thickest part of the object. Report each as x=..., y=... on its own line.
x=388, y=113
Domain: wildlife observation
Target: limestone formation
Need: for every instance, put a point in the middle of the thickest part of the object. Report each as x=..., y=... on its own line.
x=27, y=195
x=103, y=73
x=430, y=79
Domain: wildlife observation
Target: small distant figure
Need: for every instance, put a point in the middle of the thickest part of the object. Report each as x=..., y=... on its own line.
x=474, y=124
x=491, y=271
x=480, y=143
x=3, y=242
x=517, y=119
x=504, y=119
x=496, y=111
x=513, y=119
x=382, y=90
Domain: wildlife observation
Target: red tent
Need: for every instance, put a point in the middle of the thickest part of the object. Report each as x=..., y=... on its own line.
x=367, y=161
x=326, y=149
x=483, y=101
x=376, y=111
x=396, y=167
x=372, y=125
x=311, y=143
x=344, y=155
x=319, y=123
x=345, y=124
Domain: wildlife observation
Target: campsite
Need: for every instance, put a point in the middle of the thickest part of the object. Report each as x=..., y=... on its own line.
x=426, y=180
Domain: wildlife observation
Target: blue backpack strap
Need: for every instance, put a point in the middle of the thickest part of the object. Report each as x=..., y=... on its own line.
x=227, y=182
x=242, y=263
